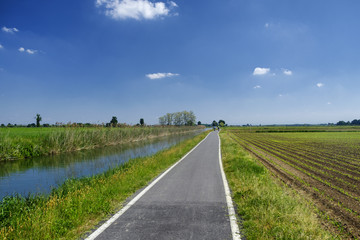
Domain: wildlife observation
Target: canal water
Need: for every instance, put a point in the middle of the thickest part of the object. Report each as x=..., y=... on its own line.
x=40, y=175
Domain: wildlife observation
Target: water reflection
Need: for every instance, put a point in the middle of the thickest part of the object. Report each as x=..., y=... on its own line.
x=39, y=175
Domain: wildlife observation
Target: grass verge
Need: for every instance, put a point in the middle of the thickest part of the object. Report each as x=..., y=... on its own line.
x=267, y=209
x=79, y=204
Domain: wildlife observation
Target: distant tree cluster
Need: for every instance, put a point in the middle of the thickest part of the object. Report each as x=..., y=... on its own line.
x=114, y=123
x=221, y=123
x=178, y=118
x=353, y=122
x=37, y=118
x=9, y=125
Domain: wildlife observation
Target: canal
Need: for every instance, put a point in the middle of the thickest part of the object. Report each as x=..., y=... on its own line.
x=40, y=175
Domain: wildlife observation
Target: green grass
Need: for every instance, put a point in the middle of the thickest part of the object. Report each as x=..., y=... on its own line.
x=19, y=143
x=78, y=205
x=268, y=210
x=28, y=132
x=312, y=128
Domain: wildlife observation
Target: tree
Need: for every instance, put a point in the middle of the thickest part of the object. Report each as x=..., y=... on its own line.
x=192, y=118
x=162, y=120
x=214, y=123
x=114, y=121
x=178, y=120
x=221, y=123
x=355, y=122
x=199, y=123
x=169, y=118
x=341, y=123
x=184, y=118
x=189, y=123
x=141, y=121
x=38, y=120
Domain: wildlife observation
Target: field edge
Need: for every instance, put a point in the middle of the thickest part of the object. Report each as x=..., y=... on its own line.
x=267, y=209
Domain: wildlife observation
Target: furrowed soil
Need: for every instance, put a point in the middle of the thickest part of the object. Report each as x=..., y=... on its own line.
x=326, y=172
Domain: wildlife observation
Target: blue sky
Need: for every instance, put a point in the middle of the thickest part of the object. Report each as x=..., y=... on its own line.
x=244, y=61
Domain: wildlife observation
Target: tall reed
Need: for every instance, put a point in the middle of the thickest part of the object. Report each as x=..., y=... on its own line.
x=74, y=138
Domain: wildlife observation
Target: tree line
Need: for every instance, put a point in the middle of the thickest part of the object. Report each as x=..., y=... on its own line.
x=353, y=122
x=178, y=118
x=113, y=123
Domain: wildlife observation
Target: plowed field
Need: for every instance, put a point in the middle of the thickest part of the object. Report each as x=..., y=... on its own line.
x=325, y=165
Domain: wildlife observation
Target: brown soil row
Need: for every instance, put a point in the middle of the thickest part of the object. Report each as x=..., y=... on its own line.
x=321, y=151
x=329, y=159
x=349, y=155
x=349, y=150
x=313, y=169
x=322, y=198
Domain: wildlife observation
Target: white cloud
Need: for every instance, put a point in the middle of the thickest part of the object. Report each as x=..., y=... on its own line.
x=329, y=103
x=319, y=85
x=9, y=30
x=1, y=46
x=161, y=75
x=29, y=51
x=287, y=72
x=261, y=71
x=257, y=86
x=136, y=9
x=267, y=25
x=173, y=4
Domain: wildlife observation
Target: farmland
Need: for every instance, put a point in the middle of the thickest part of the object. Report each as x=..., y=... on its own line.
x=321, y=163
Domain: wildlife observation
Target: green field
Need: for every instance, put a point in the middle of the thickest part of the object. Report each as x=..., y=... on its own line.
x=321, y=164
x=17, y=143
x=290, y=128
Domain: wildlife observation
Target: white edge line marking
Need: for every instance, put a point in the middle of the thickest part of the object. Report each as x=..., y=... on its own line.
x=232, y=216
x=135, y=199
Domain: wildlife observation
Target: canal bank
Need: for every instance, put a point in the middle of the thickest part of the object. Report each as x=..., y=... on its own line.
x=77, y=205
x=39, y=175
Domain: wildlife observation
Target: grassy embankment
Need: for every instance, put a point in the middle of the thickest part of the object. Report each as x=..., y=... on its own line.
x=78, y=205
x=18, y=143
x=268, y=209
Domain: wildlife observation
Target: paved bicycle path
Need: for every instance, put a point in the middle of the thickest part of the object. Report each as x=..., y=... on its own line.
x=187, y=203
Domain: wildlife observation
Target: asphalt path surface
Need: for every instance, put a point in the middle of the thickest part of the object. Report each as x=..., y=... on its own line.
x=187, y=203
